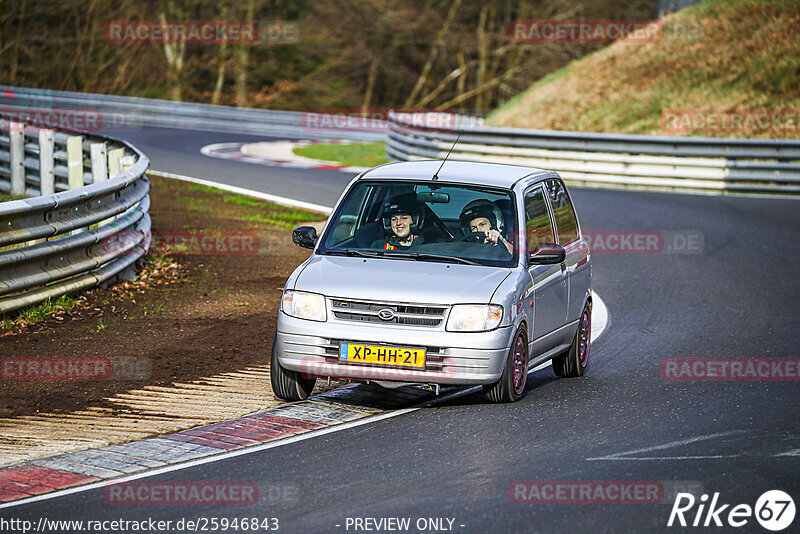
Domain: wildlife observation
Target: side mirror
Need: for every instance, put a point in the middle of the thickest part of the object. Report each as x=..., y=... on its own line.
x=305, y=236
x=547, y=253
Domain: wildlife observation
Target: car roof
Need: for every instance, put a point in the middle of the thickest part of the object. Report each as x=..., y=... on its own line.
x=466, y=172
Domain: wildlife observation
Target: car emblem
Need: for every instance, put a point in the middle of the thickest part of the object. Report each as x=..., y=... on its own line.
x=386, y=314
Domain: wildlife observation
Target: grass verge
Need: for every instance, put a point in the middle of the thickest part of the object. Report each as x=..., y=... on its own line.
x=251, y=210
x=5, y=197
x=347, y=154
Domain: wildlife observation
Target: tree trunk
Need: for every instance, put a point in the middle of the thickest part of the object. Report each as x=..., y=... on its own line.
x=482, y=57
x=438, y=42
x=373, y=74
x=476, y=91
x=222, y=59
x=174, y=53
x=241, y=74
x=462, y=80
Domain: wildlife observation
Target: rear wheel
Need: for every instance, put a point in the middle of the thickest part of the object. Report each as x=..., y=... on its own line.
x=511, y=385
x=573, y=362
x=288, y=385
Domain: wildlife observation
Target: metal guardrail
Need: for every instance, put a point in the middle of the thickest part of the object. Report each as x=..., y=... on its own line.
x=121, y=112
x=610, y=160
x=86, y=220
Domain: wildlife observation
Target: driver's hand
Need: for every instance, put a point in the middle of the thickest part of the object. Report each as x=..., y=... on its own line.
x=493, y=236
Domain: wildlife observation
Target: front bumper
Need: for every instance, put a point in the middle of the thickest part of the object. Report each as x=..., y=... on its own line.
x=456, y=358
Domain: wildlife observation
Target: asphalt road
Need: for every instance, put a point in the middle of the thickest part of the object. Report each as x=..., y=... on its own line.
x=737, y=297
x=178, y=151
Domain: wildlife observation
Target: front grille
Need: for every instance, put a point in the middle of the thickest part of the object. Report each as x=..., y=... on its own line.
x=350, y=310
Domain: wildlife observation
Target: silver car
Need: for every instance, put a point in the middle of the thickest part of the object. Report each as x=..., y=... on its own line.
x=472, y=274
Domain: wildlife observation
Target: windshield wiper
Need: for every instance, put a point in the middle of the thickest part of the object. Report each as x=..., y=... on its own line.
x=426, y=256
x=353, y=252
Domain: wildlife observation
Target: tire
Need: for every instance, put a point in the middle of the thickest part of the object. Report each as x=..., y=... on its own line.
x=572, y=364
x=511, y=386
x=288, y=385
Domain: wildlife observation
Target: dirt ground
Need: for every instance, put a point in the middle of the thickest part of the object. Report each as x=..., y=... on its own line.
x=193, y=315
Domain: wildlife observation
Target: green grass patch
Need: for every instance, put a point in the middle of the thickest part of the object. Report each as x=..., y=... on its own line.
x=283, y=219
x=5, y=197
x=39, y=312
x=351, y=154
x=266, y=212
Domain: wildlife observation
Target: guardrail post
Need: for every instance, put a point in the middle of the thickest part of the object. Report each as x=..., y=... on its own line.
x=114, y=169
x=115, y=162
x=127, y=162
x=100, y=168
x=75, y=161
x=47, y=177
x=99, y=162
x=16, y=136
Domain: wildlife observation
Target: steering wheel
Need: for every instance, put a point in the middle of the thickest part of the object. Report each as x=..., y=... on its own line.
x=475, y=237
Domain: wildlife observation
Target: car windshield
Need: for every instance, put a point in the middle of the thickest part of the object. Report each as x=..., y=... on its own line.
x=425, y=222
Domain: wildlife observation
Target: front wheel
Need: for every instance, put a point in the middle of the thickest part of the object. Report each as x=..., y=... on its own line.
x=511, y=385
x=288, y=385
x=573, y=363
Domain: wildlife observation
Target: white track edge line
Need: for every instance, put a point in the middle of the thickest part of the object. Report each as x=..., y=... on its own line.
x=283, y=201
x=272, y=444
x=210, y=459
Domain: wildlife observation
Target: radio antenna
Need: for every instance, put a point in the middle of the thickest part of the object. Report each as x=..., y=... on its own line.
x=436, y=174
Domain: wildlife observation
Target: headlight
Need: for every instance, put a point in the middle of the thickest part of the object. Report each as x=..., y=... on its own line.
x=304, y=305
x=474, y=317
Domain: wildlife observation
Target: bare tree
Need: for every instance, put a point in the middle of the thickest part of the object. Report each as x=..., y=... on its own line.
x=433, y=54
x=242, y=66
x=174, y=49
x=222, y=60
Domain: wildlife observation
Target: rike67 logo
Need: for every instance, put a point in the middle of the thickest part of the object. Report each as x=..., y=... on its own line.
x=774, y=510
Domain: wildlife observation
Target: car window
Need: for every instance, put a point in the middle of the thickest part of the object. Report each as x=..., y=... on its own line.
x=349, y=216
x=566, y=223
x=538, y=227
x=459, y=197
x=400, y=216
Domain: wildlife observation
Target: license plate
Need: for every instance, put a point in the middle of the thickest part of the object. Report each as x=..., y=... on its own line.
x=382, y=355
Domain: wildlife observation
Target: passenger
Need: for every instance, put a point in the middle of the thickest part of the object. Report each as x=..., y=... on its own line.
x=401, y=221
x=482, y=216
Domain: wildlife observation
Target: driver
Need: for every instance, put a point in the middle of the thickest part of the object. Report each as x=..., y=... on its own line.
x=482, y=216
x=401, y=221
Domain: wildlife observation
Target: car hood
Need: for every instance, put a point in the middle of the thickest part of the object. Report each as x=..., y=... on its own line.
x=396, y=280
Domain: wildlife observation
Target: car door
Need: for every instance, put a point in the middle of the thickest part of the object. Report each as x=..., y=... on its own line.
x=568, y=234
x=548, y=303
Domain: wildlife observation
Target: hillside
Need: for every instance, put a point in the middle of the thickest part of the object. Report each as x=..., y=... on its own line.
x=735, y=57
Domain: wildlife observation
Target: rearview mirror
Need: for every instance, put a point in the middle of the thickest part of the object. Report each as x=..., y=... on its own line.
x=547, y=253
x=304, y=236
x=433, y=197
